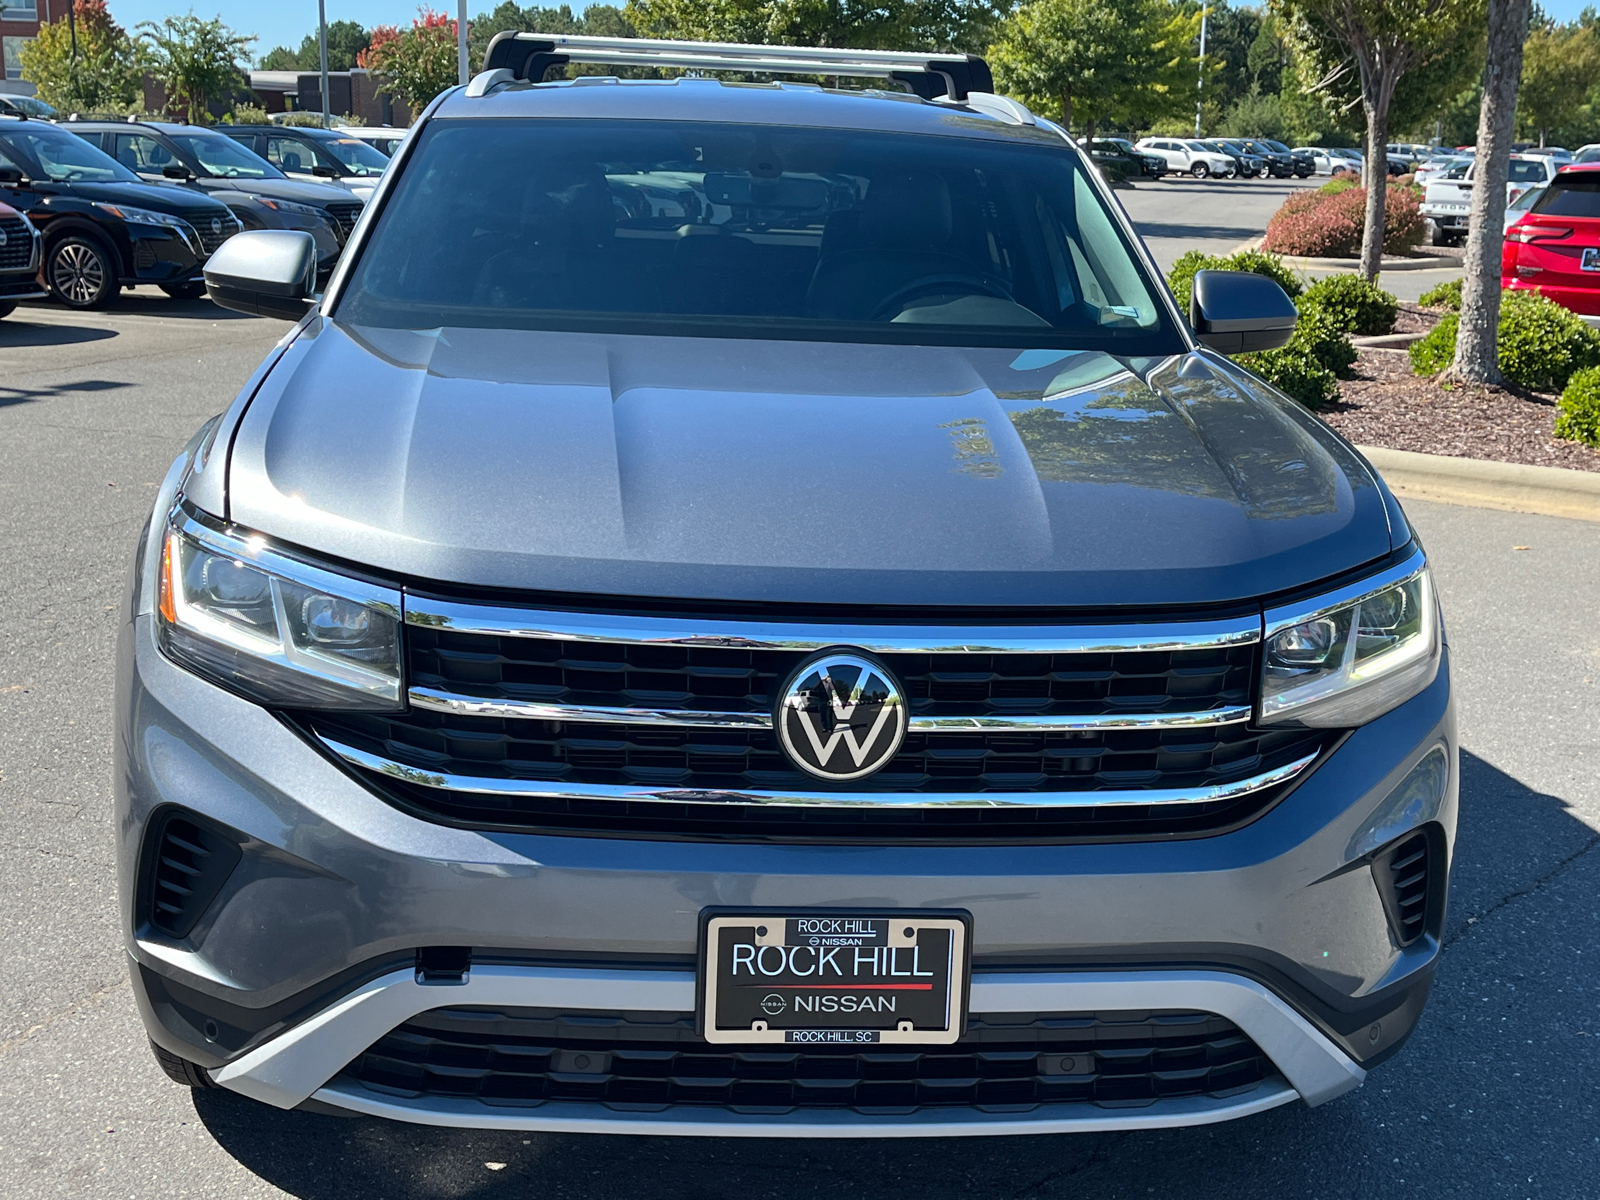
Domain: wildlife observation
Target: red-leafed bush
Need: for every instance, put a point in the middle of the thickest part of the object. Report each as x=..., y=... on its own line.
x=1317, y=224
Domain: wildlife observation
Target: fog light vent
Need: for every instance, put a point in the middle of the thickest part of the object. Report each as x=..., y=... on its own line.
x=187, y=867
x=1404, y=875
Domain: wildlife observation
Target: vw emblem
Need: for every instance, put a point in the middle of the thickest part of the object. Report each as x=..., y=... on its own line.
x=841, y=716
x=216, y=224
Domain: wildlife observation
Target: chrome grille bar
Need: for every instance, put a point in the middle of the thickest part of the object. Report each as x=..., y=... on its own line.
x=457, y=704
x=497, y=621
x=541, y=789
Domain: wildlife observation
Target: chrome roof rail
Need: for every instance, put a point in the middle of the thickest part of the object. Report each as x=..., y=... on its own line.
x=930, y=75
x=1003, y=107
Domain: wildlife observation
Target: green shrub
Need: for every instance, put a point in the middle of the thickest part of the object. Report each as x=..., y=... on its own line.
x=1181, y=277
x=1309, y=367
x=1341, y=184
x=1443, y=295
x=1353, y=304
x=1578, y=415
x=1541, y=344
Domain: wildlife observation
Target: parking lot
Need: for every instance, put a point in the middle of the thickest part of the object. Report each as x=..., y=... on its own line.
x=1494, y=1097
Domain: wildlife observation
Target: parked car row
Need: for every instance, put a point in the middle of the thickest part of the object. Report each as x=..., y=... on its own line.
x=88, y=207
x=1447, y=196
x=1228, y=158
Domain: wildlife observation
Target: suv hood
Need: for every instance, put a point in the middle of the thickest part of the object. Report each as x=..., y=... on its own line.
x=176, y=201
x=281, y=189
x=796, y=471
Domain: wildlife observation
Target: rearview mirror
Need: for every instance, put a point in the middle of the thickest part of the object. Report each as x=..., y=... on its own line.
x=1237, y=312
x=177, y=171
x=264, y=272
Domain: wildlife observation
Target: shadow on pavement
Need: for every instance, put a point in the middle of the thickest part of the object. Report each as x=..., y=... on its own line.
x=10, y=396
x=149, y=303
x=17, y=330
x=1509, y=1102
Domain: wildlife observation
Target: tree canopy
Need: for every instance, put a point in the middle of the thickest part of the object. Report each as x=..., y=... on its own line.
x=195, y=60
x=346, y=41
x=859, y=24
x=104, y=75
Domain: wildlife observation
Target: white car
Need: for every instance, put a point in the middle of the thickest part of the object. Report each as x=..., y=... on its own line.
x=1186, y=154
x=384, y=138
x=1447, y=203
x=1328, y=161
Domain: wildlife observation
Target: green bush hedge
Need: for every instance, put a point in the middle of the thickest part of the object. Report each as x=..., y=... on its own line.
x=1443, y=295
x=1578, y=416
x=1342, y=184
x=1541, y=344
x=1309, y=367
x=1353, y=304
x=1181, y=277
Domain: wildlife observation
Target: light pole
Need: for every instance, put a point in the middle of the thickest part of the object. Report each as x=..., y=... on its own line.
x=461, y=42
x=1200, y=87
x=322, y=42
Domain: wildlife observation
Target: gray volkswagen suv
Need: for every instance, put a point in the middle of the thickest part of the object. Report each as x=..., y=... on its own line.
x=760, y=617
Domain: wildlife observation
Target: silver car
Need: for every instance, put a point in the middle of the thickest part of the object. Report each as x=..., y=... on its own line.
x=761, y=617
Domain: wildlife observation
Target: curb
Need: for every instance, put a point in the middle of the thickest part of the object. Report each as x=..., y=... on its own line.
x=1478, y=483
x=1387, y=341
x=1431, y=262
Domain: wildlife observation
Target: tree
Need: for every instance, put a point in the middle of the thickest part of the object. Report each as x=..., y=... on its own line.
x=1477, y=336
x=600, y=20
x=1373, y=44
x=417, y=63
x=346, y=40
x=1560, y=64
x=195, y=60
x=1094, y=61
x=104, y=75
x=858, y=24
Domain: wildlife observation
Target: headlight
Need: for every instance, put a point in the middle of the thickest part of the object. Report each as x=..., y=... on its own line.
x=1354, y=657
x=291, y=206
x=145, y=216
x=278, y=630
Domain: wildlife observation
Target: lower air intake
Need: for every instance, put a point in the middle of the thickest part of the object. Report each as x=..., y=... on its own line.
x=187, y=865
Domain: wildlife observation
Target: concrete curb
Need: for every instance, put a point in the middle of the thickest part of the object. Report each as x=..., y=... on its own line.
x=1477, y=483
x=1387, y=341
x=1431, y=262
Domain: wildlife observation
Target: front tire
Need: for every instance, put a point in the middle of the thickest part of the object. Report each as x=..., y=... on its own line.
x=184, y=291
x=180, y=1070
x=80, y=273
x=6, y=310
x=1200, y=170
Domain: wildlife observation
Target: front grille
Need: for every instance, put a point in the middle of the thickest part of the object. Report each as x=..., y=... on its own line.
x=17, y=252
x=211, y=239
x=186, y=866
x=344, y=214
x=643, y=1062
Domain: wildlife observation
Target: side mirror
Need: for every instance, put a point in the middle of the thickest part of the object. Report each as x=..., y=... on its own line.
x=1236, y=312
x=10, y=175
x=177, y=171
x=324, y=172
x=264, y=272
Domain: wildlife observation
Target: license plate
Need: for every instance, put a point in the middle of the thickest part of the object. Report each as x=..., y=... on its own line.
x=1591, y=258
x=839, y=978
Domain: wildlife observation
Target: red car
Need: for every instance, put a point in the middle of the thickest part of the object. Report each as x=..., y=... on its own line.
x=1554, y=248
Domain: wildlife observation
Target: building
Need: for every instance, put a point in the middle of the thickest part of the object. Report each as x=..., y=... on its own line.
x=350, y=94
x=19, y=24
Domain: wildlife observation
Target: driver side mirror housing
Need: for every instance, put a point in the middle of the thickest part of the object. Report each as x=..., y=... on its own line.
x=177, y=171
x=1237, y=312
x=264, y=272
x=323, y=172
x=11, y=175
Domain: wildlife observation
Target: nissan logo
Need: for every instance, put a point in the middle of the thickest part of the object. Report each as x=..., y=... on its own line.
x=216, y=224
x=841, y=716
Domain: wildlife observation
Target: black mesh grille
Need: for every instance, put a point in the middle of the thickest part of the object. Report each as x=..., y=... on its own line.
x=17, y=252
x=212, y=238
x=344, y=214
x=187, y=864
x=648, y=1061
x=1405, y=876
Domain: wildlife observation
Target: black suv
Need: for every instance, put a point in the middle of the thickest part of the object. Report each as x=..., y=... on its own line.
x=103, y=226
x=312, y=154
x=259, y=194
x=1118, y=159
x=1282, y=162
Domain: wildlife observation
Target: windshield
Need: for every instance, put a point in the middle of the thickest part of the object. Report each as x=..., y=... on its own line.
x=354, y=155
x=1569, y=197
x=33, y=107
x=225, y=157
x=731, y=230
x=64, y=157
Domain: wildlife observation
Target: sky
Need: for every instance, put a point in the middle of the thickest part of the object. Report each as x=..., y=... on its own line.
x=285, y=22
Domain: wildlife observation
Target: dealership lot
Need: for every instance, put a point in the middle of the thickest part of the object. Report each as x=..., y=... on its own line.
x=1494, y=1097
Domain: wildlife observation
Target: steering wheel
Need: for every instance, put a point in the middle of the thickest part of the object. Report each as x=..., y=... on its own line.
x=931, y=285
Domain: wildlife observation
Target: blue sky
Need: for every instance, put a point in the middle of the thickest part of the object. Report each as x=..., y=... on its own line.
x=285, y=22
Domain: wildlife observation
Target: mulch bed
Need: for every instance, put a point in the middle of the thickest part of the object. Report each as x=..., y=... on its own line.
x=1386, y=405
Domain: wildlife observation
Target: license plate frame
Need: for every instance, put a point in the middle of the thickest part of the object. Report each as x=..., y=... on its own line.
x=1590, y=260
x=879, y=971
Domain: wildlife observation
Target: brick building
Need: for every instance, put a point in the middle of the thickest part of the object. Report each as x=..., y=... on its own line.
x=19, y=23
x=350, y=94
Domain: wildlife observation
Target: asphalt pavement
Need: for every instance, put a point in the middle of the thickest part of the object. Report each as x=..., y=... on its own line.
x=1217, y=216
x=1495, y=1096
